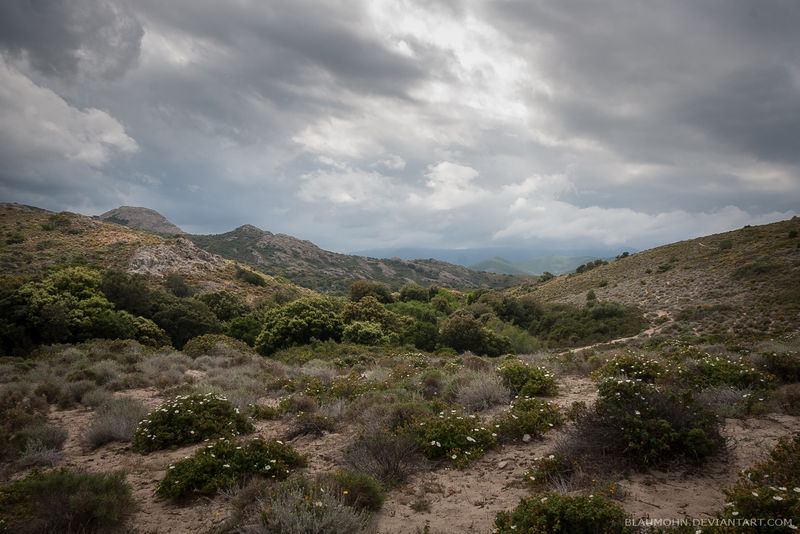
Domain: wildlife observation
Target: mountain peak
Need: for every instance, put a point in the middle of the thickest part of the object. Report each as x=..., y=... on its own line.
x=141, y=218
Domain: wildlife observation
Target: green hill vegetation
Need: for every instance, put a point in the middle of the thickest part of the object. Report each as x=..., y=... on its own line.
x=149, y=385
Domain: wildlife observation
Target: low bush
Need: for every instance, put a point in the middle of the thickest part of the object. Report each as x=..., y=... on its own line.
x=223, y=463
x=552, y=513
x=358, y=490
x=116, y=420
x=528, y=416
x=314, y=424
x=713, y=370
x=384, y=455
x=632, y=365
x=66, y=501
x=784, y=365
x=635, y=423
x=525, y=379
x=481, y=392
x=771, y=489
x=302, y=507
x=189, y=419
x=458, y=438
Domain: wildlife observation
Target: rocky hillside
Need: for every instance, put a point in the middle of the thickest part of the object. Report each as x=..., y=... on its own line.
x=307, y=265
x=141, y=219
x=740, y=282
x=34, y=240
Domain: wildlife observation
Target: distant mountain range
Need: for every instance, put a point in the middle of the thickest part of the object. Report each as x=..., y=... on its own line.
x=533, y=266
x=307, y=265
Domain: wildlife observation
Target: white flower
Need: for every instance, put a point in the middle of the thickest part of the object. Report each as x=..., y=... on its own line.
x=225, y=465
x=777, y=498
x=755, y=494
x=454, y=457
x=544, y=499
x=470, y=439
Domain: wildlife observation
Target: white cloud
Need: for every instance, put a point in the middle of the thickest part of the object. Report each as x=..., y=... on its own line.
x=37, y=122
x=348, y=187
x=451, y=186
x=337, y=137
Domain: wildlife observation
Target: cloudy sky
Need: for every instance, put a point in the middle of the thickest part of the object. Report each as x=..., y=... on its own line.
x=386, y=123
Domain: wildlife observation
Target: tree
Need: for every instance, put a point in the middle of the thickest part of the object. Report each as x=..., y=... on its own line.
x=183, y=319
x=412, y=291
x=298, y=322
x=364, y=288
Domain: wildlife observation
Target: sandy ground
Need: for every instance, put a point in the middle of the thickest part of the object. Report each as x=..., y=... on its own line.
x=445, y=499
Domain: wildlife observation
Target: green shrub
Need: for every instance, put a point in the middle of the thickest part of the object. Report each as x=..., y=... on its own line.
x=250, y=277
x=302, y=507
x=189, y=419
x=364, y=333
x=712, y=370
x=299, y=322
x=244, y=328
x=365, y=288
x=770, y=489
x=66, y=501
x=552, y=513
x=632, y=365
x=412, y=291
x=358, y=490
x=225, y=462
x=223, y=304
x=784, y=365
x=529, y=416
x=209, y=344
x=525, y=379
x=636, y=420
x=463, y=332
x=457, y=438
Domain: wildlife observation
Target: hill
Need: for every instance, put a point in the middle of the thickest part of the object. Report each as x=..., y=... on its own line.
x=742, y=282
x=141, y=219
x=534, y=266
x=35, y=240
x=307, y=265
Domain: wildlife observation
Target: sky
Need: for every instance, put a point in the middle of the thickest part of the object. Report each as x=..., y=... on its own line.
x=362, y=124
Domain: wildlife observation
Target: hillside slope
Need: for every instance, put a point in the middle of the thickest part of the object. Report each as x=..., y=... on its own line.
x=141, y=219
x=307, y=265
x=740, y=282
x=34, y=240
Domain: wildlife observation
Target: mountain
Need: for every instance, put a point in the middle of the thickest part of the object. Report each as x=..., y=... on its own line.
x=742, y=282
x=34, y=240
x=141, y=219
x=309, y=266
x=533, y=266
x=471, y=256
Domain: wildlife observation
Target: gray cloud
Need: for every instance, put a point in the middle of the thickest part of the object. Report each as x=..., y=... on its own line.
x=363, y=124
x=64, y=38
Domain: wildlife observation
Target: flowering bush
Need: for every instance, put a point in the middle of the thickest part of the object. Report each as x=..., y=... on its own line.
x=458, y=438
x=632, y=365
x=525, y=379
x=221, y=464
x=552, y=513
x=712, y=370
x=189, y=419
x=529, y=416
x=771, y=489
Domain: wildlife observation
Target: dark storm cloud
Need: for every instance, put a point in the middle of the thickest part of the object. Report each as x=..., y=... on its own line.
x=65, y=37
x=363, y=123
x=651, y=81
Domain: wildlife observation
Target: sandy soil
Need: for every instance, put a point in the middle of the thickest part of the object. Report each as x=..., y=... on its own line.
x=446, y=499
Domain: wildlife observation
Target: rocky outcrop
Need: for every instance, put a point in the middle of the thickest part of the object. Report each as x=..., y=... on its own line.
x=179, y=256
